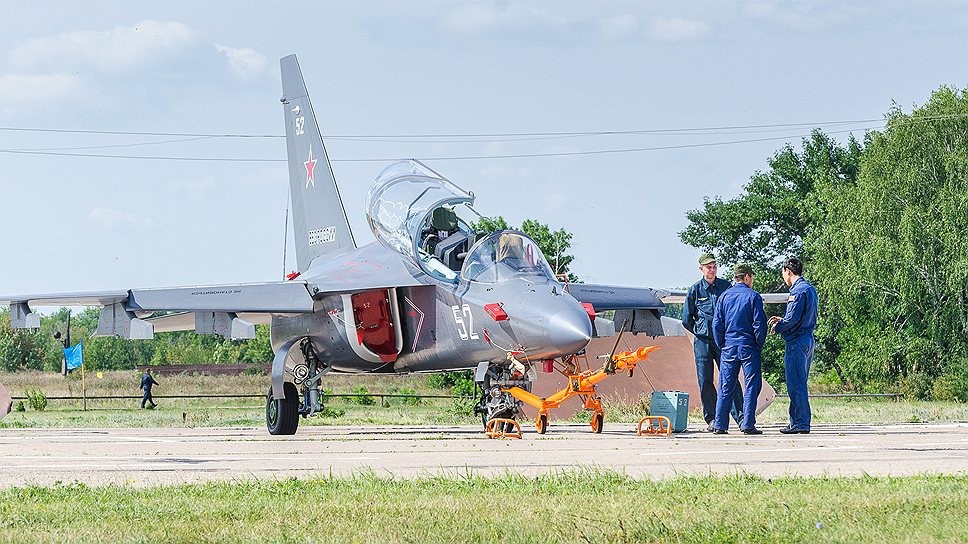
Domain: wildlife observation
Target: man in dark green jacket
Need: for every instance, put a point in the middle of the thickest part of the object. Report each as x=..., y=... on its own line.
x=697, y=318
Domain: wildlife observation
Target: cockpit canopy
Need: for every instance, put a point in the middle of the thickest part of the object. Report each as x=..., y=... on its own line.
x=410, y=209
x=504, y=255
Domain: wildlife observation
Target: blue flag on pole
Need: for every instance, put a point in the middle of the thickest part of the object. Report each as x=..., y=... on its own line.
x=74, y=356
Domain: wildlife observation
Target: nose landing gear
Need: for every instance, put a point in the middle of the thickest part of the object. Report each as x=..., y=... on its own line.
x=495, y=402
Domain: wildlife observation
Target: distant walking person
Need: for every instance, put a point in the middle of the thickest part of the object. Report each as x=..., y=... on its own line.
x=797, y=327
x=739, y=329
x=146, y=382
x=697, y=318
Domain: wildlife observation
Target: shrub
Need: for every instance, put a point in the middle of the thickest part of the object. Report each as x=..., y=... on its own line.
x=465, y=388
x=254, y=370
x=331, y=412
x=411, y=399
x=19, y=407
x=444, y=380
x=950, y=388
x=362, y=396
x=36, y=398
x=915, y=387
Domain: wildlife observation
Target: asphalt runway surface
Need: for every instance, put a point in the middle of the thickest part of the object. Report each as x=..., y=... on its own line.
x=168, y=456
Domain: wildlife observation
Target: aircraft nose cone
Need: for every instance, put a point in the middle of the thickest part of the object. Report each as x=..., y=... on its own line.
x=570, y=330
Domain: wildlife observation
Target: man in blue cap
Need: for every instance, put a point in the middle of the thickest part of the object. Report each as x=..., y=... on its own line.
x=797, y=327
x=697, y=318
x=739, y=329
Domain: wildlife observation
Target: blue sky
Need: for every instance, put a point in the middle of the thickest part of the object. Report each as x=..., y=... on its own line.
x=450, y=67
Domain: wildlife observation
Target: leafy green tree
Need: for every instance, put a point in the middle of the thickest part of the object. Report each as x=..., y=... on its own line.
x=555, y=245
x=258, y=349
x=778, y=209
x=20, y=349
x=893, y=253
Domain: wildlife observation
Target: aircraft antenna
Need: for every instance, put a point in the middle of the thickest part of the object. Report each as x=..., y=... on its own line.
x=285, y=237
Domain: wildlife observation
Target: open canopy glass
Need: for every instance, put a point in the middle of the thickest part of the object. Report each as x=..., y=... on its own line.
x=410, y=210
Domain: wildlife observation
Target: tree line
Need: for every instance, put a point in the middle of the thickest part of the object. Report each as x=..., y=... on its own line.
x=882, y=227
x=39, y=350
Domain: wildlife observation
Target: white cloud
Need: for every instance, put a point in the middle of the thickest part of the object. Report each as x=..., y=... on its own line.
x=105, y=50
x=246, y=63
x=195, y=189
x=618, y=26
x=814, y=16
x=674, y=29
x=112, y=219
x=26, y=89
x=500, y=18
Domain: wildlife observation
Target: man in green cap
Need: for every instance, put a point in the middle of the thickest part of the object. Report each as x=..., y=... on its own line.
x=739, y=330
x=697, y=318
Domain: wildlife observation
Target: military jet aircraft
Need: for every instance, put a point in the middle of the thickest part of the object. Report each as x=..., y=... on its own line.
x=430, y=294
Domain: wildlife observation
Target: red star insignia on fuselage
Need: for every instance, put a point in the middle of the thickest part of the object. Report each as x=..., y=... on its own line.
x=310, y=165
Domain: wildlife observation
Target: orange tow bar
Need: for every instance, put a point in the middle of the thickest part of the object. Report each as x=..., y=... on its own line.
x=582, y=383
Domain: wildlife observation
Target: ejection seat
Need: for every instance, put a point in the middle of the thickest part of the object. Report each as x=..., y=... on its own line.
x=445, y=239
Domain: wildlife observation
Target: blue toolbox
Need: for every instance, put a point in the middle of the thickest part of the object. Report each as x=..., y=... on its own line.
x=673, y=405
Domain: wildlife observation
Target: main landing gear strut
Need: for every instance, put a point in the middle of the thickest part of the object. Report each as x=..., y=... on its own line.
x=282, y=416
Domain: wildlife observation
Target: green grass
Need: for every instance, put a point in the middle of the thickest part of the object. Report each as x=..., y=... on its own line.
x=583, y=506
x=250, y=412
x=195, y=414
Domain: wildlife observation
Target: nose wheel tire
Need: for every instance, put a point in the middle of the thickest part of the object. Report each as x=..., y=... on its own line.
x=598, y=422
x=542, y=424
x=282, y=416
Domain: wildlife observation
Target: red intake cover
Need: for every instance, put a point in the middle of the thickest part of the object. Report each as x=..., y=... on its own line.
x=496, y=312
x=590, y=310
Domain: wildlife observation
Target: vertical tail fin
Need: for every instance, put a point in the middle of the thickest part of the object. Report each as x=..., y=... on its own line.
x=318, y=218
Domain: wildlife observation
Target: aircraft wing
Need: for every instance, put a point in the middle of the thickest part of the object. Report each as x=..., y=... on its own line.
x=639, y=308
x=679, y=297
x=214, y=309
x=609, y=297
x=281, y=297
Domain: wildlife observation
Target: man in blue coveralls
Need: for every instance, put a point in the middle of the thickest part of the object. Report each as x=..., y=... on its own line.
x=797, y=327
x=739, y=329
x=697, y=318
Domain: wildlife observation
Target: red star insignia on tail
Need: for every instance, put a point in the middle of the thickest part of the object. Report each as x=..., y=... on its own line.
x=310, y=165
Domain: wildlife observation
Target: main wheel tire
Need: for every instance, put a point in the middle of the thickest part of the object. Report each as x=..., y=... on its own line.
x=542, y=424
x=598, y=422
x=282, y=416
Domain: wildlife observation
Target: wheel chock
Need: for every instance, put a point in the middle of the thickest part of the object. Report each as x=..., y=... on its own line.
x=658, y=426
x=499, y=427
